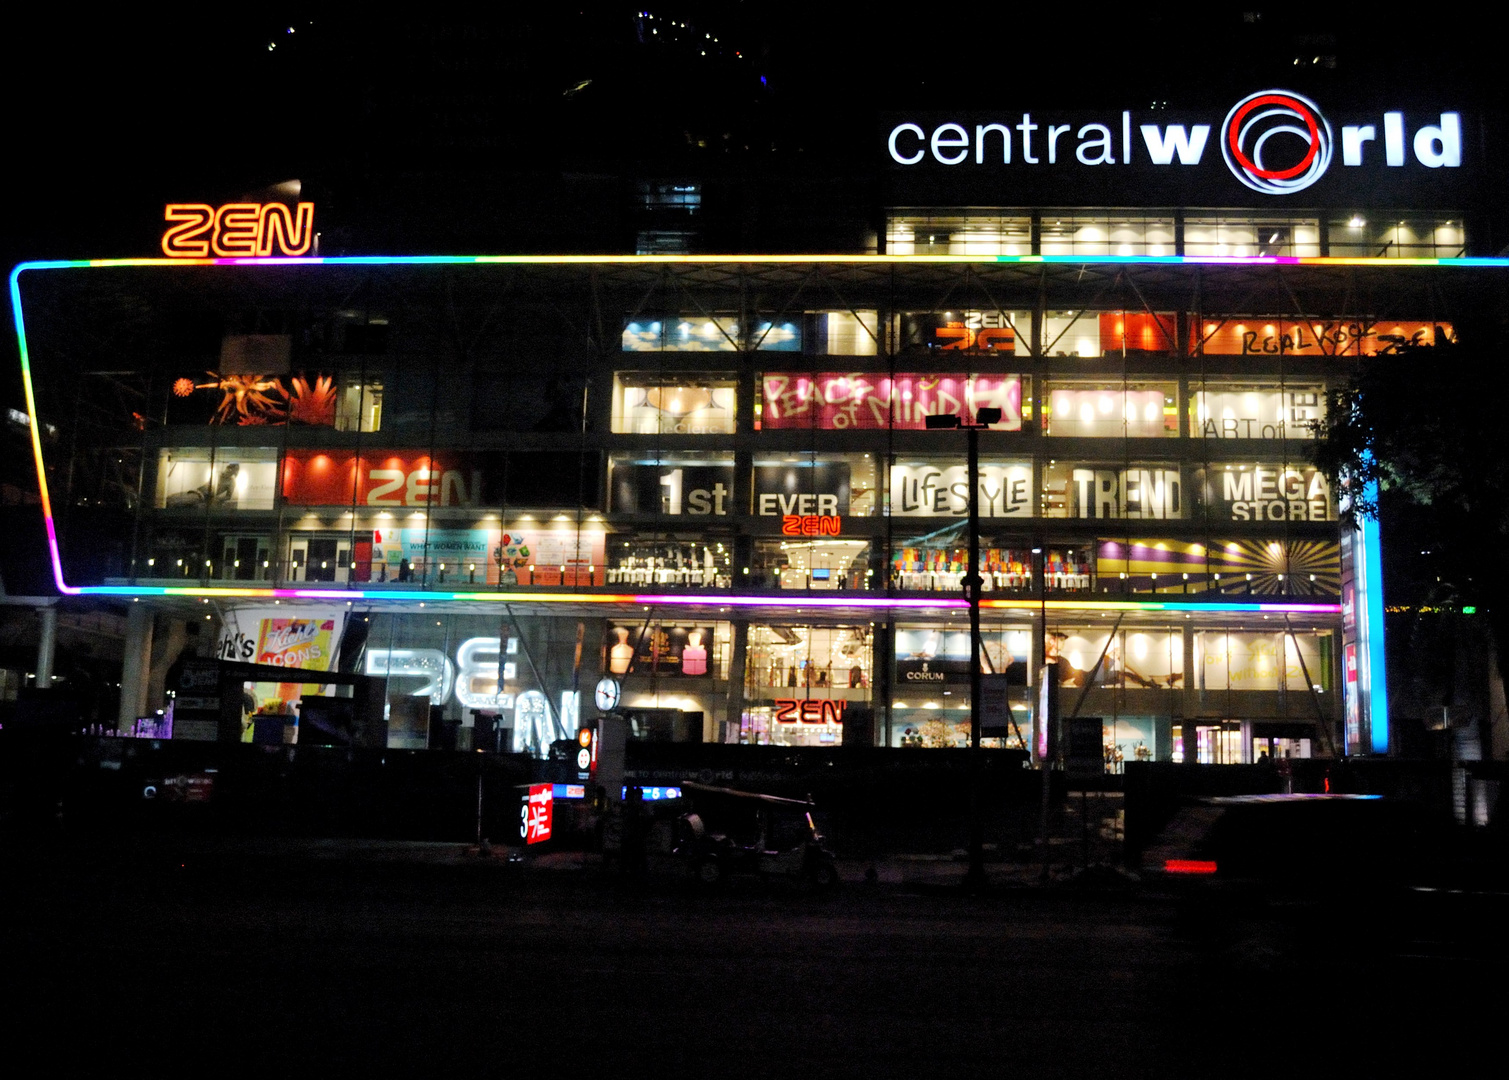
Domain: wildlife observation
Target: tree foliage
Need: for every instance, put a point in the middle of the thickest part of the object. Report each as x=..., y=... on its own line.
x=1418, y=439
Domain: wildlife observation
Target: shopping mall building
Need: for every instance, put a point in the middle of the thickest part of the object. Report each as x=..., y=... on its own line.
x=493, y=481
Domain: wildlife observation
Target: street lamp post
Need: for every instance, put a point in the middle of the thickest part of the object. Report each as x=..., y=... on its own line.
x=973, y=584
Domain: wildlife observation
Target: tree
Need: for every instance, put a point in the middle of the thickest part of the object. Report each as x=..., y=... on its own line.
x=1415, y=440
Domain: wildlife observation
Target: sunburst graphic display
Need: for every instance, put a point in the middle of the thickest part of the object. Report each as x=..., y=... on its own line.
x=1301, y=567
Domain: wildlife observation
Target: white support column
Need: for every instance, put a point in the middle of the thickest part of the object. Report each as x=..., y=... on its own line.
x=47, y=640
x=135, y=665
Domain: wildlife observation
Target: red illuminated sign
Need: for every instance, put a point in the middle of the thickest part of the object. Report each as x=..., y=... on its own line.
x=536, y=816
x=810, y=525
x=237, y=230
x=384, y=479
x=790, y=711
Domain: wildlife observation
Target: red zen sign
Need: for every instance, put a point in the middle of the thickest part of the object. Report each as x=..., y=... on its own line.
x=789, y=711
x=237, y=230
x=383, y=478
x=810, y=525
x=536, y=816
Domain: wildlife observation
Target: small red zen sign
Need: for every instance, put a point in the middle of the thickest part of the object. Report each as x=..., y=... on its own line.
x=237, y=230
x=536, y=815
x=810, y=525
x=789, y=711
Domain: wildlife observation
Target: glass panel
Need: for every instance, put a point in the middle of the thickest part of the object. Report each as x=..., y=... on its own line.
x=939, y=487
x=228, y=478
x=1265, y=492
x=694, y=560
x=359, y=404
x=647, y=403
x=1111, y=410
x=1360, y=236
x=815, y=563
x=1256, y=411
x=693, y=485
x=855, y=400
x=840, y=485
x=1150, y=491
x=1240, y=236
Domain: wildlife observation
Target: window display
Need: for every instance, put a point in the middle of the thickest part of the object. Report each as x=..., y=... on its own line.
x=788, y=667
x=229, y=478
x=665, y=559
x=827, y=563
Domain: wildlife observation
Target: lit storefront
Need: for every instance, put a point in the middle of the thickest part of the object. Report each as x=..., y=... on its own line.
x=714, y=479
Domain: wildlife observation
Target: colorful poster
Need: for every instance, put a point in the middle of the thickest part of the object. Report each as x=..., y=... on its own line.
x=844, y=400
x=659, y=650
x=390, y=479
x=283, y=636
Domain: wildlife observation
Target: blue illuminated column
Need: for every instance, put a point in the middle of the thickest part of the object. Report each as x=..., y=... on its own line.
x=1364, y=662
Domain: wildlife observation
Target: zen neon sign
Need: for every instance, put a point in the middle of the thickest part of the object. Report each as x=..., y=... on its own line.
x=810, y=525
x=237, y=230
x=797, y=711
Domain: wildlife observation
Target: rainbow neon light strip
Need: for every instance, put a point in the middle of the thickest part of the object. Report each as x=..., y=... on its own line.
x=713, y=600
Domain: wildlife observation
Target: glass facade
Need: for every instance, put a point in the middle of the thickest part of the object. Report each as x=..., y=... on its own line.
x=662, y=518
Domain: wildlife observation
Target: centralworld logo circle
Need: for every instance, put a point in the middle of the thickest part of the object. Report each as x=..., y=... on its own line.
x=1276, y=142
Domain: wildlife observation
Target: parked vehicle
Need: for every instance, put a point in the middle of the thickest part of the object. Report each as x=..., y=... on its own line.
x=728, y=832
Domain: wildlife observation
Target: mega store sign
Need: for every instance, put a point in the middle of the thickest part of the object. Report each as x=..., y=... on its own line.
x=1272, y=142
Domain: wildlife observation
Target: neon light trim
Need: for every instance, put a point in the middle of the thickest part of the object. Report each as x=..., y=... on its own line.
x=190, y=214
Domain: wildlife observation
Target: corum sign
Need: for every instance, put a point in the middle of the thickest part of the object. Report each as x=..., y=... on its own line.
x=1273, y=142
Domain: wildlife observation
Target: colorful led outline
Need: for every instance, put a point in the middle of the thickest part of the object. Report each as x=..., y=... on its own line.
x=611, y=598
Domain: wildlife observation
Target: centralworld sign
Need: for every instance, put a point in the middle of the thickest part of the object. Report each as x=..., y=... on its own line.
x=1273, y=142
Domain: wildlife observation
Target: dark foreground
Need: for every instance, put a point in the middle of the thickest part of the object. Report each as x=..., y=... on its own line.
x=162, y=956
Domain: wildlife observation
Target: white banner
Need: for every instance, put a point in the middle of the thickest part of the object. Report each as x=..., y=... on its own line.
x=943, y=491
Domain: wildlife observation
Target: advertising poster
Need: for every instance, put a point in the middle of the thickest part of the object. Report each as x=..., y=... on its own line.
x=416, y=554
x=1298, y=567
x=1274, y=337
x=969, y=331
x=672, y=488
x=280, y=636
x=821, y=488
x=659, y=650
x=943, y=490
x=708, y=333
x=1147, y=491
x=842, y=400
x=384, y=478
x=1267, y=493
x=244, y=480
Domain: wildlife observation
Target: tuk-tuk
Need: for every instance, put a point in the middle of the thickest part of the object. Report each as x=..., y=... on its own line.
x=727, y=832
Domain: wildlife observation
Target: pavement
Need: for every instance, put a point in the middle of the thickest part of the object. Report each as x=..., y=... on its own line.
x=916, y=872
